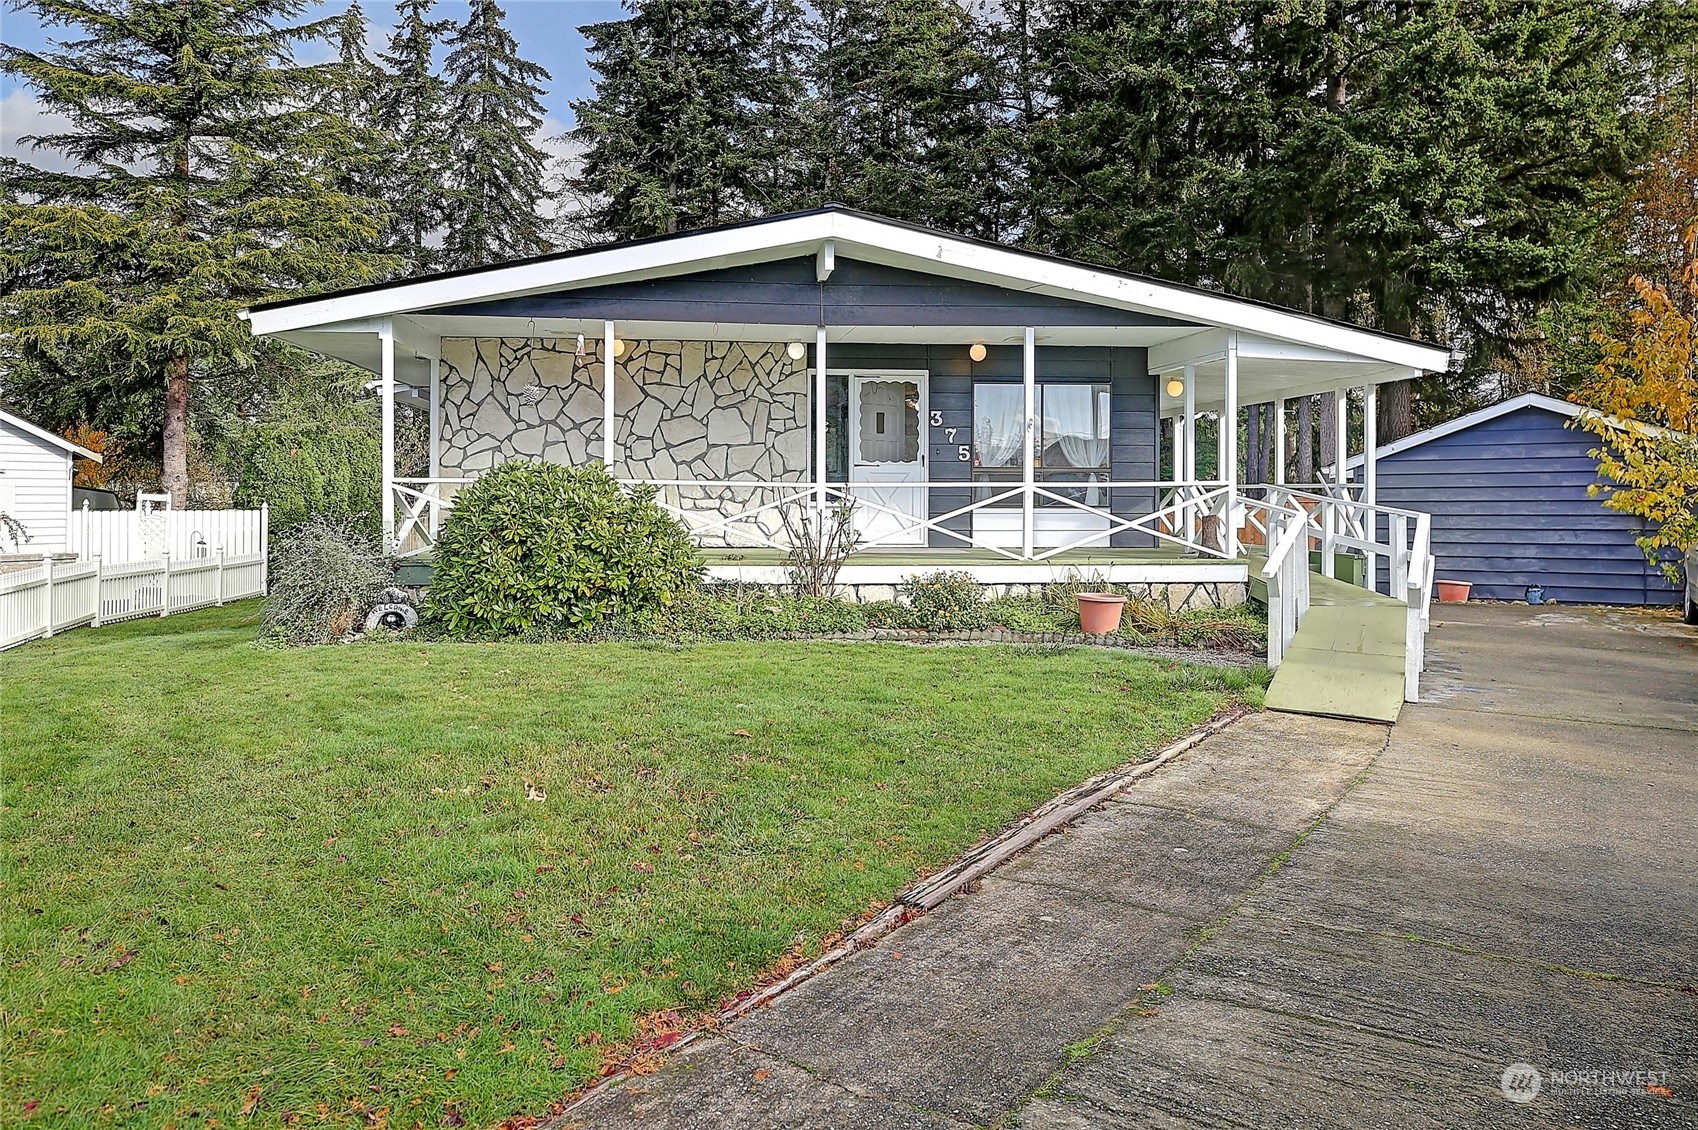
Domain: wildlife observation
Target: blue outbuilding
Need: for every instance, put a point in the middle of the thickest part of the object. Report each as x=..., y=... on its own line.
x=1507, y=489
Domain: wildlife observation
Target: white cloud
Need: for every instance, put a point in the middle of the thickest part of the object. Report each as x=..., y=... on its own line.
x=23, y=114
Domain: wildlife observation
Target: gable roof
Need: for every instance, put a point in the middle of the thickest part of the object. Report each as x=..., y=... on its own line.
x=827, y=232
x=1492, y=412
x=43, y=434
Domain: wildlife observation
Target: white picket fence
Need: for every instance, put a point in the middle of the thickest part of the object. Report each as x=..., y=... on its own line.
x=183, y=535
x=199, y=559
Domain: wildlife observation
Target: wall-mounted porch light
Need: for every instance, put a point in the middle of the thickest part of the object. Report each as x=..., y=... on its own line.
x=795, y=351
x=1175, y=387
x=618, y=347
x=977, y=351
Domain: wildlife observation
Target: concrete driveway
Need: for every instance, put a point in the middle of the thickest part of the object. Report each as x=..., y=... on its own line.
x=1300, y=923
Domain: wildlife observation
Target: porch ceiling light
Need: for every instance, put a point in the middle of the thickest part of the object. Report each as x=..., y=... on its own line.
x=977, y=351
x=1175, y=387
x=795, y=350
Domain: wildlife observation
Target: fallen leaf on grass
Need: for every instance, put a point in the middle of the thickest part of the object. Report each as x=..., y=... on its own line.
x=251, y=1101
x=742, y=734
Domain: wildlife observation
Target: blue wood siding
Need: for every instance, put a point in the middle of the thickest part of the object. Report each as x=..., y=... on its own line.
x=1510, y=509
x=1132, y=409
x=786, y=293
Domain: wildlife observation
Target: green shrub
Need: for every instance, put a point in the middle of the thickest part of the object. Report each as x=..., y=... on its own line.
x=1034, y=613
x=886, y=614
x=945, y=602
x=724, y=614
x=324, y=574
x=537, y=546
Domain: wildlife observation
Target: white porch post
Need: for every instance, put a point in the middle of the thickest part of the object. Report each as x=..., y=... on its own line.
x=1279, y=441
x=435, y=416
x=1029, y=479
x=386, y=339
x=1370, y=473
x=1340, y=434
x=819, y=426
x=1190, y=421
x=1229, y=446
x=1187, y=518
x=608, y=447
x=433, y=491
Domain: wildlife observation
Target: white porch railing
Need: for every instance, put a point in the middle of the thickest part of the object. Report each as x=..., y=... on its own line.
x=47, y=598
x=746, y=512
x=1296, y=521
x=1204, y=518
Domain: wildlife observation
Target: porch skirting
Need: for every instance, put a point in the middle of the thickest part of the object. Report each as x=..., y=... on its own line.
x=1183, y=585
x=1179, y=596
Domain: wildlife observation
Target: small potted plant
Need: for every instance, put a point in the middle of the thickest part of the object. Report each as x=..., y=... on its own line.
x=1453, y=592
x=1100, y=612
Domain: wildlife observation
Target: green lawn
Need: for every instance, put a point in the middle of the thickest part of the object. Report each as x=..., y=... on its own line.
x=267, y=887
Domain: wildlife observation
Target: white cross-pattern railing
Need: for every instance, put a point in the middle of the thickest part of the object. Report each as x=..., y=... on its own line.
x=1297, y=521
x=745, y=512
x=54, y=596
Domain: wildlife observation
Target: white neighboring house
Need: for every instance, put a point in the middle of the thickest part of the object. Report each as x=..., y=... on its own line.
x=35, y=485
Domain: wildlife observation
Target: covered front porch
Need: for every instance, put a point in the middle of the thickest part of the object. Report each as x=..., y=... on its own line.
x=1037, y=454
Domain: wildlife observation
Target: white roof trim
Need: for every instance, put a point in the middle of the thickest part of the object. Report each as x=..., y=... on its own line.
x=853, y=236
x=42, y=433
x=1503, y=408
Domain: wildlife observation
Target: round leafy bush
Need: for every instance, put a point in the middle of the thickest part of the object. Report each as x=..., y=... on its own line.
x=324, y=574
x=946, y=602
x=531, y=546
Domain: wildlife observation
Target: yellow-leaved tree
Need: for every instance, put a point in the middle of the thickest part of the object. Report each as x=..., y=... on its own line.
x=1645, y=396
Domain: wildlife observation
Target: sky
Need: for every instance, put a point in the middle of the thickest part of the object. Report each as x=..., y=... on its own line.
x=547, y=31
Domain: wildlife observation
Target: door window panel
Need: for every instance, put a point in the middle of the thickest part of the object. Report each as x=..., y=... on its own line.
x=889, y=430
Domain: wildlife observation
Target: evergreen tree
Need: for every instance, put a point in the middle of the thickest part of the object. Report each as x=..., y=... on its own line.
x=495, y=173
x=205, y=181
x=904, y=113
x=412, y=113
x=364, y=168
x=688, y=126
x=1429, y=168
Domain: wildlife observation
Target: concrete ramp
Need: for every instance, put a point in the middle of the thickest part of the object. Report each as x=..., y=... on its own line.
x=1347, y=659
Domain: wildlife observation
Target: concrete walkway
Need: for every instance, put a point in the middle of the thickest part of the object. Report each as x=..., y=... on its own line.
x=1299, y=923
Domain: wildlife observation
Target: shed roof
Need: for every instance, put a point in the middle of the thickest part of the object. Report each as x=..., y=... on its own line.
x=1491, y=412
x=41, y=433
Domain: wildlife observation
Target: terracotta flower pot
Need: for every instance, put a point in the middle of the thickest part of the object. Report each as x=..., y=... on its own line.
x=1453, y=592
x=1099, y=612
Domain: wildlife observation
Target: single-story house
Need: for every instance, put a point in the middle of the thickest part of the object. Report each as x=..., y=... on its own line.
x=968, y=397
x=1507, y=488
x=981, y=408
x=35, y=485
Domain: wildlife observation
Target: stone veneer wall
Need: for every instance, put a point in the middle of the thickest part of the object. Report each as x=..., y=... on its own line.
x=683, y=410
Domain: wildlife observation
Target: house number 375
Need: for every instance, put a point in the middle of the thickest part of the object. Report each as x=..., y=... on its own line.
x=963, y=452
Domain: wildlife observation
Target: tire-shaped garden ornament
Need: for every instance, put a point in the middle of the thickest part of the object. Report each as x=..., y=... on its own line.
x=393, y=611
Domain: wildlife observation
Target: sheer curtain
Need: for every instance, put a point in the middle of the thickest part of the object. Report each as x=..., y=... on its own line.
x=1076, y=421
x=999, y=423
x=1076, y=417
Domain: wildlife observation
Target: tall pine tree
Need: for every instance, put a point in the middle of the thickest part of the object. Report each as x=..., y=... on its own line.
x=495, y=173
x=205, y=181
x=904, y=114
x=412, y=113
x=687, y=126
x=1436, y=168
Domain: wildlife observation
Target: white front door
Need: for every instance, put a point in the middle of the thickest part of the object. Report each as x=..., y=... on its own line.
x=886, y=454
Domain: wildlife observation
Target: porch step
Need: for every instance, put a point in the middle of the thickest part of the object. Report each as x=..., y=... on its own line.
x=1347, y=659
